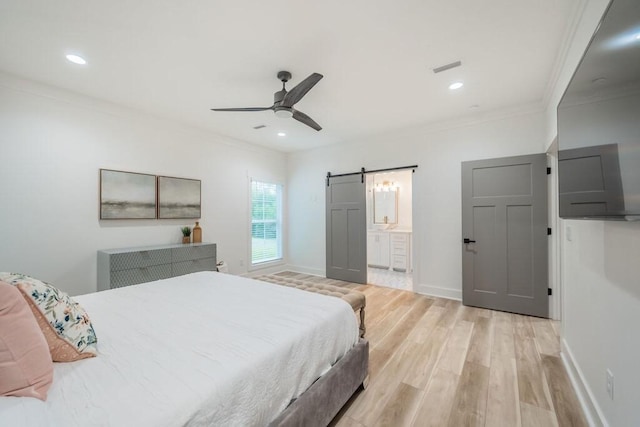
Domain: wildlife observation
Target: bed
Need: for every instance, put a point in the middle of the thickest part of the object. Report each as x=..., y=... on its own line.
x=205, y=349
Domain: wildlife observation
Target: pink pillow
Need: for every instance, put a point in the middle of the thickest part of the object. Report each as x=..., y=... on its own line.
x=65, y=324
x=26, y=368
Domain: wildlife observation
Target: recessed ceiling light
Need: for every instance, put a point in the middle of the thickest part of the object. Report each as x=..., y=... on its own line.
x=76, y=59
x=282, y=134
x=456, y=85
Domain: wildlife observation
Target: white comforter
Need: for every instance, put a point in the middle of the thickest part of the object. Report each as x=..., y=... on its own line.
x=203, y=349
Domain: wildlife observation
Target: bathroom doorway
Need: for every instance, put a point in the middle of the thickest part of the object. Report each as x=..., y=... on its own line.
x=390, y=229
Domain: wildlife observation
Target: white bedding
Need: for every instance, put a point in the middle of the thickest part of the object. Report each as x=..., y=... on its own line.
x=203, y=349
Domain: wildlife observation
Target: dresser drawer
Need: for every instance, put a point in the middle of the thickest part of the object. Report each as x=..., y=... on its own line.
x=139, y=259
x=193, y=266
x=187, y=253
x=139, y=275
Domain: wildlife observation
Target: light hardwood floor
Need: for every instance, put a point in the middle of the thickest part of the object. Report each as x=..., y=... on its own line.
x=435, y=362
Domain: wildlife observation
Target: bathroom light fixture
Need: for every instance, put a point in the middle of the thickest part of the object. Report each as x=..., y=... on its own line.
x=282, y=134
x=456, y=85
x=76, y=59
x=385, y=186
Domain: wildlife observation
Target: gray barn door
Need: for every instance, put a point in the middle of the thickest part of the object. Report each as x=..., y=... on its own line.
x=346, y=229
x=504, y=230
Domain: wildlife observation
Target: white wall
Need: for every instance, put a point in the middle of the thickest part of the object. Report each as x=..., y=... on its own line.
x=601, y=313
x=53, y=144
x=600, y=284
x=436, y=189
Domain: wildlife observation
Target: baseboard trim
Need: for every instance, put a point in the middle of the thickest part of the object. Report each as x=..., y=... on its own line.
x=592, y=411
x=304, y=270
x=436, y=291
x=266, y=270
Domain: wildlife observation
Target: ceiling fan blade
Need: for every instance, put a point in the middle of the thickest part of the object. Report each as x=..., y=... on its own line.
x=301, y=89
x=303, y=118
x=243, y=109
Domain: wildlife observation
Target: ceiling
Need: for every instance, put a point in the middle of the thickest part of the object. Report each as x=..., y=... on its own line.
x=178, y=59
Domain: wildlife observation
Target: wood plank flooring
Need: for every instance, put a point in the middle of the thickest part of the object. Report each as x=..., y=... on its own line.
x=435, y=362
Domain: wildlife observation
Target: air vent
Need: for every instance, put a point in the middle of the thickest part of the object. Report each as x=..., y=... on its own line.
x=447, y=67
x=259, y=126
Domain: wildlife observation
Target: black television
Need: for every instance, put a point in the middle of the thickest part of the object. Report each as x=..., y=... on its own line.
x=599, y=123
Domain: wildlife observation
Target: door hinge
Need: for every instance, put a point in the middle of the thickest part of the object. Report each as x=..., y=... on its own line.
x=549, y=291
x=548, y=171
x=548, y=231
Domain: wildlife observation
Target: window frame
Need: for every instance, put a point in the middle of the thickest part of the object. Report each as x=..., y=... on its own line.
x=279, y=260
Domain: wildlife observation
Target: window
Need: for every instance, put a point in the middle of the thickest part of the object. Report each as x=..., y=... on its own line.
x=266, y=222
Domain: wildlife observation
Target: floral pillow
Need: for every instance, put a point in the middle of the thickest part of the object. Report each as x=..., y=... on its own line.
x=64, y=323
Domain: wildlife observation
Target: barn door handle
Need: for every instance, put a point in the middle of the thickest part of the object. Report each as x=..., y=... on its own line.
x=467, y=241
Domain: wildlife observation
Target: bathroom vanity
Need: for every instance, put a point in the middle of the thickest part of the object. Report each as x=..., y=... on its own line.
x=390, y=249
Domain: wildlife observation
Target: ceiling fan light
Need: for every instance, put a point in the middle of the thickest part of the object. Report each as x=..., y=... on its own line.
x=284, y=113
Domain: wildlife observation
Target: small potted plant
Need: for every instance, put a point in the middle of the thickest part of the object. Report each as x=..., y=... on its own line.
x=186, y=234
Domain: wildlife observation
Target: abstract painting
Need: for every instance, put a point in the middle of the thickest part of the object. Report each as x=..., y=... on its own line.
x=127, y=195
x=178, y=198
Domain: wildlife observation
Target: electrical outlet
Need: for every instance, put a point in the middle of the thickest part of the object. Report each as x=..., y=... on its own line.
x=568, y=233
x=241, y=263
x=610, y=384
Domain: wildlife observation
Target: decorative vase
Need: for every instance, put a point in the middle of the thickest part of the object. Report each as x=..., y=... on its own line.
x=197, y=233
x=186, y=239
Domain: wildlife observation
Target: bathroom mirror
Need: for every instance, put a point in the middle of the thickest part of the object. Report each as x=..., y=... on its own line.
x=385, y=206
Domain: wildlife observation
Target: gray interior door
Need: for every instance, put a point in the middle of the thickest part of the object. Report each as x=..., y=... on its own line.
x=504, y=225
x=346, y=229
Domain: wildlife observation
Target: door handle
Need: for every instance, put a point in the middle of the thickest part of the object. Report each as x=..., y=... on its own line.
x=467, y=241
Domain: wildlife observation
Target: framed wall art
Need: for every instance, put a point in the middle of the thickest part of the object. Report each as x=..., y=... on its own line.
x=127, y=195
x=179, y=198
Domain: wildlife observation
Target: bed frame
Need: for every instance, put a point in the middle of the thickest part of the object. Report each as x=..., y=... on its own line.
x=322, y=401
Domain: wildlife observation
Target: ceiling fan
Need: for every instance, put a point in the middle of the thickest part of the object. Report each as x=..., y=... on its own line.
x=283, y=100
